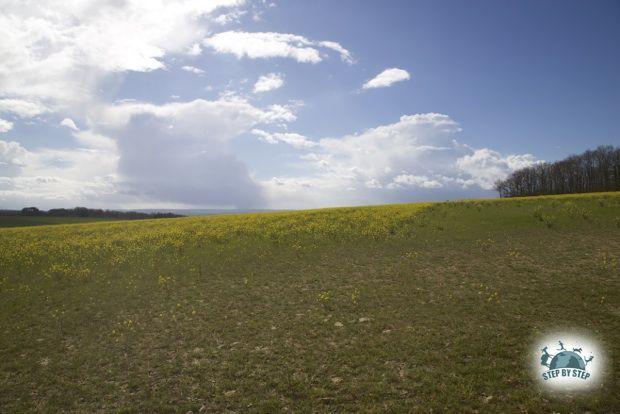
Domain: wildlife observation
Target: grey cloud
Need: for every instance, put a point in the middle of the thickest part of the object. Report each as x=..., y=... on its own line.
x=164, y=164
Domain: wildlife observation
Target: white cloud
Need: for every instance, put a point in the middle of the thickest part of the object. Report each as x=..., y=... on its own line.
x=194, y=50
x=179, y=152
x=47, y=177
x=22, y=108
x=408, y=180
x=136, y=153
x=193, y=69
x=5, y=126
x=387, y=78
x=64, y=58
x=485, y=166
x=231, y=17
x=68, y=123
x=222, y=119
x=57, y=53
x=268, y=82
x=416, y=158
x=345, y=55
x=51, y=192
x=264, y=45
x=416, y=142
x=295, y=140
x=90, y=139
x=280, y=113
x=12, y=156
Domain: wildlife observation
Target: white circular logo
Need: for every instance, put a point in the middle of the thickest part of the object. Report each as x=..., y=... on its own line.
x=566, y=361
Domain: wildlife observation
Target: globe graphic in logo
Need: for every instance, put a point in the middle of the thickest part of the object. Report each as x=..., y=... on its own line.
x=567, y=359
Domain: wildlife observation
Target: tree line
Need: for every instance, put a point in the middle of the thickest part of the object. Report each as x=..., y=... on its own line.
x=87, y=212
x=593, y=171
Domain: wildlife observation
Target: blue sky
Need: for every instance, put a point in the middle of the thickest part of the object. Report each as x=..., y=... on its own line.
x=144, y=104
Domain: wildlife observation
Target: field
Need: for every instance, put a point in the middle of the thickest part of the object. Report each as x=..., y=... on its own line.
x=401, y=308
x=22, y=221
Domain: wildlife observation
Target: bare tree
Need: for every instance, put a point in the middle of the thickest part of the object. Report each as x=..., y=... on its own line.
x=592, y=171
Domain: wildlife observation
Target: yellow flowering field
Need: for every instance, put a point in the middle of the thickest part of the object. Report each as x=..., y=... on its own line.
x=407, y=307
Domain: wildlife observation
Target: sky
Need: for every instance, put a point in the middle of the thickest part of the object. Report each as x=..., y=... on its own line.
x=295, y=104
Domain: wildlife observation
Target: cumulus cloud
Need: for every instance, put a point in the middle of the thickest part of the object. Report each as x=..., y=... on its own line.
x=485, y=166
x=59, y=58
x=159, y=163
x=268, y=82
x=193, y=69
x=416, y=158
x=408, y=180
x=417, y=142
x=68, y=123
x=56, y=58
x=5, y=126
x=221, y=119
x=387, y=78
x=194, y=50
x=179, y=152
x=137, y=153
x=76, y=44
x=12, y=156
x=22, y=108
x=294, y=140
x=230, y=17
x=49, y=177
x=264, y=45
x=91, y=139
x=54, y=191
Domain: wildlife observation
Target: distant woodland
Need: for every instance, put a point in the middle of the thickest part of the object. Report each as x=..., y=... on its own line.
x=86, y=212
x=593, y=171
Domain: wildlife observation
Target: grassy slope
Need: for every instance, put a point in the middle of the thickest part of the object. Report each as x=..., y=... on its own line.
x=22, y=221
x=241, y=312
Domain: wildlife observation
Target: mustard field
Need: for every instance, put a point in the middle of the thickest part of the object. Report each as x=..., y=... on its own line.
x=401, y=308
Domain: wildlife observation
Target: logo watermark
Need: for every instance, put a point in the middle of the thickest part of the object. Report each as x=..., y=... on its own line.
x=567, y=361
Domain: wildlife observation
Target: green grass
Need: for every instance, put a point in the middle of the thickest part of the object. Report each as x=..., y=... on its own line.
x=21, y=221
x=404, y=308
